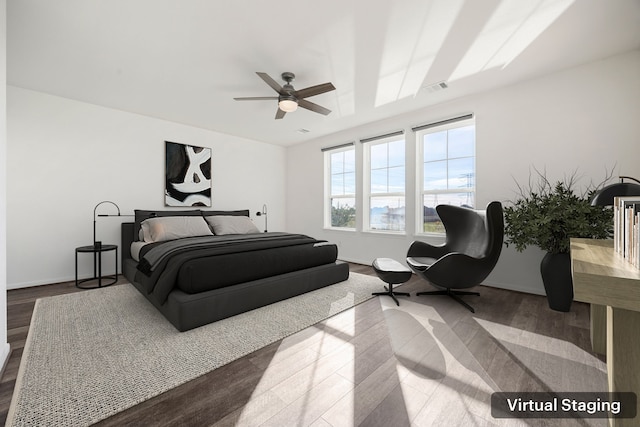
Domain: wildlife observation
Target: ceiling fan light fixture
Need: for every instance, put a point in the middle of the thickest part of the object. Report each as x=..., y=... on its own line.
x=289, y=99
x=288, y=105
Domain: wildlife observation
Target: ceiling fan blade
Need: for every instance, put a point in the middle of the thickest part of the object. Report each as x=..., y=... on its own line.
x=256, y=98
x=280, y=114
x=314, y=90
x=313, y=107
x=268, y=80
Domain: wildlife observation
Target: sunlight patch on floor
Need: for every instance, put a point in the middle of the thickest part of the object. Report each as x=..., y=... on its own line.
x=552, y=346
x=440, y=378
x=301, y=380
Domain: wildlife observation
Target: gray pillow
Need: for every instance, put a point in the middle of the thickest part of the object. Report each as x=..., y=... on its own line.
x=141, y=215
x=223, y=224
x=173, y=227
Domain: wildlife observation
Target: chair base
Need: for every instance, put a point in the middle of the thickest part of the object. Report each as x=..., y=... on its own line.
x=454, y=295
x=392, y=293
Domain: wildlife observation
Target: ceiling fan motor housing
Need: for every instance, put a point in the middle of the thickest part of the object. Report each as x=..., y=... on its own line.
x=287, y=89
x=287, y=98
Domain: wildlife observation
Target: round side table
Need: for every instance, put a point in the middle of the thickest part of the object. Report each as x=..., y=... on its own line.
x=97, y=252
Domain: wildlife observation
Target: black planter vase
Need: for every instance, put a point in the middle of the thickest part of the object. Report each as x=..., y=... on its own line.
x=556, y=276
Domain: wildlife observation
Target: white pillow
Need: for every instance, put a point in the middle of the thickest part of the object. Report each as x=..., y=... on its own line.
x=164, y=228
x=228, y=224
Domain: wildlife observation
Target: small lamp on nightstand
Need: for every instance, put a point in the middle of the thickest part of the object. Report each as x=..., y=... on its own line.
x=97, y=250
x=264, y=212
x=97, y=244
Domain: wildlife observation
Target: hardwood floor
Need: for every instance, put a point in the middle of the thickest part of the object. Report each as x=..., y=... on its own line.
x=427, y=362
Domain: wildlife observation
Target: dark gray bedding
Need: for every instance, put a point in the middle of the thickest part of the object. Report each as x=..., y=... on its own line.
x=154, y=254
x=199, y=264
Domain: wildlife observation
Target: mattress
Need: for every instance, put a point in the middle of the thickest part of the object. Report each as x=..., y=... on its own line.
x=207, y=273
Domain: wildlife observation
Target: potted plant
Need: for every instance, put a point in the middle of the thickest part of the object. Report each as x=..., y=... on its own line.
x=546, y=215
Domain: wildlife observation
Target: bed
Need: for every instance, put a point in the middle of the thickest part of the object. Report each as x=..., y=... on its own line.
x=198, y=266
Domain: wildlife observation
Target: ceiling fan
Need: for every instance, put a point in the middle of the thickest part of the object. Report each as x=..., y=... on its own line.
x=290, y=99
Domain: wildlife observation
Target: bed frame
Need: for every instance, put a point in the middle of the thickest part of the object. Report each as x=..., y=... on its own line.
x=188, y=311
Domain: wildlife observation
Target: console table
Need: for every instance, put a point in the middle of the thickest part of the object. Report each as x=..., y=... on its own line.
x=602, y=277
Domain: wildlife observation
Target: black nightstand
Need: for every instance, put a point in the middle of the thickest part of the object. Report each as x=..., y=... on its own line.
x=97, y=252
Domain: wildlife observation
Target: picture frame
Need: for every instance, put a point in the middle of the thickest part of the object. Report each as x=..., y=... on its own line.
x=187, y=175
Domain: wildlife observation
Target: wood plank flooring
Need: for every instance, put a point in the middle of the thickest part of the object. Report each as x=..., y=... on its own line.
x=428, y=362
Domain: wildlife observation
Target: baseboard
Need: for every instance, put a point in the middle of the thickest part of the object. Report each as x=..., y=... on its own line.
x=516, y=288
x=31, y=284
x=507, y=286
x=356, y=261
x=5, y=352
x=21, y=285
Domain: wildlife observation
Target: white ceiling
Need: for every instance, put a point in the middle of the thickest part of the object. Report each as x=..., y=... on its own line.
x=185, y=60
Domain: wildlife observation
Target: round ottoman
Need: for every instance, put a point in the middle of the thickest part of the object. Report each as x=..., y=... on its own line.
x=391, y=272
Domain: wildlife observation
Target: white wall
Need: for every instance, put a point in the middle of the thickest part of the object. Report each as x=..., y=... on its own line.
x=584, y=119
x=66, y=156
x=4, y=346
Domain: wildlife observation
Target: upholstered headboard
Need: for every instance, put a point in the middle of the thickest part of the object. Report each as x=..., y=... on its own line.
x=130, y=230
x=141, y=215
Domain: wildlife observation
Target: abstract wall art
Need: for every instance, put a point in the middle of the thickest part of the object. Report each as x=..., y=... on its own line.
x=187, y=175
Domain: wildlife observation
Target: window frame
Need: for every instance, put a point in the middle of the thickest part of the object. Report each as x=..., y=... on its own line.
x=420, y=191
x=367, y=194
x=329, y=197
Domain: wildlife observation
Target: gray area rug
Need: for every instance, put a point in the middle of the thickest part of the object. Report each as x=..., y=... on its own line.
x=92, y=354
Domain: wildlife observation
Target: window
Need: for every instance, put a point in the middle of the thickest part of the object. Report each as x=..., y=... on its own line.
x=447, y=170
x=342, y=187
x=385, y=159
x=366, y=184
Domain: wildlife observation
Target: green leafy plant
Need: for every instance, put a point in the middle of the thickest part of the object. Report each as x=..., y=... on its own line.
x=547, y=215
x=343, y=216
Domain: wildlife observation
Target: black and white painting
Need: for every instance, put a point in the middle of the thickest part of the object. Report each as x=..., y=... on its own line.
x=187, y=175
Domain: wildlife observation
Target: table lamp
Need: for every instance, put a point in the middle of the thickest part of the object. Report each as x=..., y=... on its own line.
x=97, y=244
x=605, y=196
x=264, y=212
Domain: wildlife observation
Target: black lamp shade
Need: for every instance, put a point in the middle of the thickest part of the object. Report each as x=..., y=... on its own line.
x=605, y=196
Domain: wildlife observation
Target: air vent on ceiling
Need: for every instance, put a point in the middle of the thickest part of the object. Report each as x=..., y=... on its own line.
x=435, y=87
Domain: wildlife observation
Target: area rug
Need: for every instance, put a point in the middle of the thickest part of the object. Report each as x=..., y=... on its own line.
x=92, y=354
